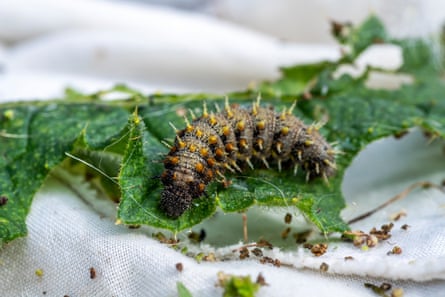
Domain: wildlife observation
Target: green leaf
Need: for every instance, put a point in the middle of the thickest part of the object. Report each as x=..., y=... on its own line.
x=237, y=286
x=296, y=80
x=420, y=58
x=35, y=140
x=182, y=290
x=371, y=31
x=320, y=203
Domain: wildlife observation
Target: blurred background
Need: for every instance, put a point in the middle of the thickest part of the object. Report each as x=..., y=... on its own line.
x=179, y=45
x=308, y=21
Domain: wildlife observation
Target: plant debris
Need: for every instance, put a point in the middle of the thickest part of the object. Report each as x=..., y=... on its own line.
x=269, y=260
x=285, y=233
x=179, y=266
x=324, y=267
x=197, y=237
x=301, y=237
x=261, y=280
x=365, y=240
x=396, y=250
x=257, y=252
x=384, y=288
x=405, y=227
x=244, y=253
x=383, y=233
x=92, y=273
x=39, y=272
x=319, y=249
x=397, y=216
x=288, y=218
x=163, y=239
x=239, y=286
x=397, y=292
x=376, y=289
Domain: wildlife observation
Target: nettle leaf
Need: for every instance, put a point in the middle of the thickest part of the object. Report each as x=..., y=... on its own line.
x=320, y=203
x=371, y=31
x=35, y=139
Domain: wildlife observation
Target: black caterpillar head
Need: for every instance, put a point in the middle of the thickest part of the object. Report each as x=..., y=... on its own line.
x=175, y=201
x=180, y=188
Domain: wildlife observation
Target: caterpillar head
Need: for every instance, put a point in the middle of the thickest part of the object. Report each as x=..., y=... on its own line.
x=175, y=201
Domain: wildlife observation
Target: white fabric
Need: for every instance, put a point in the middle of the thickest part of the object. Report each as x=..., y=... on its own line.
x=401, y=17
x=71, y=230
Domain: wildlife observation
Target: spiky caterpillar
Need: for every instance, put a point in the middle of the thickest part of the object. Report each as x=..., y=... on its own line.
x=216, y=142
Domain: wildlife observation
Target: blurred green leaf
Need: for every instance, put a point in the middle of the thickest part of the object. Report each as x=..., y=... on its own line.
x=182, y=290
x=237, y=286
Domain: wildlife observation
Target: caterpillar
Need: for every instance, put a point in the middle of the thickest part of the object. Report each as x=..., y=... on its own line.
x=230, y=139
